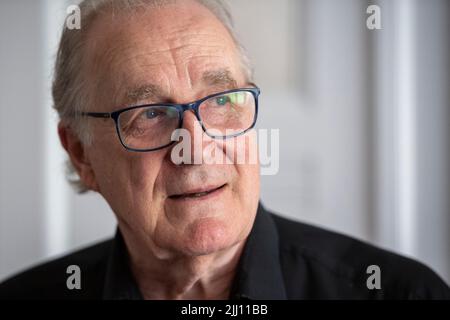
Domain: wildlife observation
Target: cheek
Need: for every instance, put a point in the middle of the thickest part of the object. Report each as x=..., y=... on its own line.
x=243, y=150
x=247, y=188
x=128, y=183
x=143, y=170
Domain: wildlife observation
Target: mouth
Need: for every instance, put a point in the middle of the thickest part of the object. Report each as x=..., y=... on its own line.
x=200, y=194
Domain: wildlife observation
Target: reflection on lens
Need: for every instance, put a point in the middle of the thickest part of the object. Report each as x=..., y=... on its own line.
x=228, y=114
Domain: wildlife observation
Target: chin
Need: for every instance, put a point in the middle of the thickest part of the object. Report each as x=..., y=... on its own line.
x=209, y=235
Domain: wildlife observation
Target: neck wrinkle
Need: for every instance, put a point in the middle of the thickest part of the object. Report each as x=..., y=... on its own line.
x=203, y=277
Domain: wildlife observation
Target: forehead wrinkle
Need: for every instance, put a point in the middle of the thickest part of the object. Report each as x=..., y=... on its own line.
x=123, y=57
x=178, y=41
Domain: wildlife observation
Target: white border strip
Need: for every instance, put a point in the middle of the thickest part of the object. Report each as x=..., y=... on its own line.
x=406, y=134
x=56, y=189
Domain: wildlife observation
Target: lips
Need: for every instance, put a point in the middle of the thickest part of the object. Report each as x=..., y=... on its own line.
x=197, y=193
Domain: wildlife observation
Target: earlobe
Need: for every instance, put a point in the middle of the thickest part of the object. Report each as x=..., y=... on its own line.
x=77, y=154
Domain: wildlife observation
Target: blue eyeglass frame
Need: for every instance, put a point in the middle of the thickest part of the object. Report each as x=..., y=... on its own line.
x=181, y=108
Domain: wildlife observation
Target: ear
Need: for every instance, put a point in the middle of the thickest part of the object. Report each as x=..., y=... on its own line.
x=77, y=154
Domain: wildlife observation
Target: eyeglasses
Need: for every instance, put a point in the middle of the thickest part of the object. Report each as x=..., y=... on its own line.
x=150, y=127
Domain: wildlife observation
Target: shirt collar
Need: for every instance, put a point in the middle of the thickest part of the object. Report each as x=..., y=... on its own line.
x=258, y=277
x=119, y=281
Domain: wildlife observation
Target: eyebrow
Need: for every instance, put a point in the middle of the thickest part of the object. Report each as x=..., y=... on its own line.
x=221, y=77
x=144, y=92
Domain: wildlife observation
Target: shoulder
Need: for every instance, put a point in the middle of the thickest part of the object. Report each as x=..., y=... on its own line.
x=48, y=280
x=336, y=265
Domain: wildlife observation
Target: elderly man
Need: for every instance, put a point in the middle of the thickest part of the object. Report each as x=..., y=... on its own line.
x=135, y=74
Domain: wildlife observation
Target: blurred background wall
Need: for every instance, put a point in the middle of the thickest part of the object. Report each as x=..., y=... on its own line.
x=364, y=119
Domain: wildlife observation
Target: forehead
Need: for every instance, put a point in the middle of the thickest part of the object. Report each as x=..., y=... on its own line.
x=174, y=47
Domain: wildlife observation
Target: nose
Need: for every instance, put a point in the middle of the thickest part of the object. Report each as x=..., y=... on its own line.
x=197, y=138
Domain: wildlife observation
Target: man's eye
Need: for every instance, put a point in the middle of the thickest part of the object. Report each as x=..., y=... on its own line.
x=151, y=114
x=222, y=100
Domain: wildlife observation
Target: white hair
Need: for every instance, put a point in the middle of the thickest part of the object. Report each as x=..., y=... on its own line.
x=70, y=88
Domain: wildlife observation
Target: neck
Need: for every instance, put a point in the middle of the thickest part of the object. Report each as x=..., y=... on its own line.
x=184, y=277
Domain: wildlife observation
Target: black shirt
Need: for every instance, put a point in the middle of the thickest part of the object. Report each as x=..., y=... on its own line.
x=282, y=259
